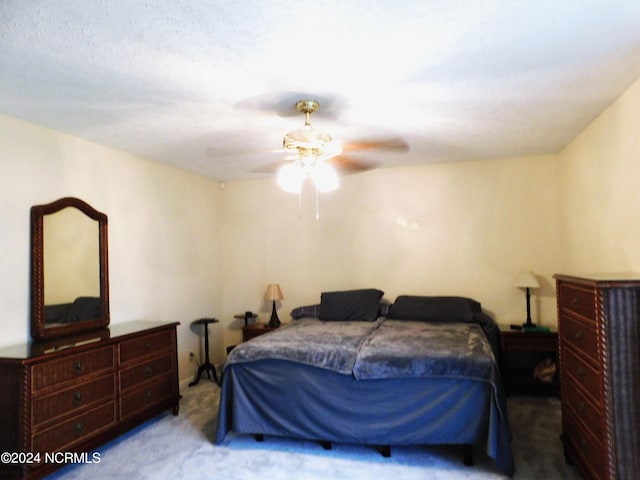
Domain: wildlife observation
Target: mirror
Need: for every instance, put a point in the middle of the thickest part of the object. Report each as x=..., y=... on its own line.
x=69, y=271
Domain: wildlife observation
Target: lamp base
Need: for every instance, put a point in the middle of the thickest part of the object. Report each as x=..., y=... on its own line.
x=274, y=321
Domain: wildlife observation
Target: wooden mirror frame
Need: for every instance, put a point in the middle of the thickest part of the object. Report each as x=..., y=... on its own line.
x=38, y=328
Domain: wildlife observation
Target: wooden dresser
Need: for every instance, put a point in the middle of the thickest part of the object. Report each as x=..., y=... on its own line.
x=599, y=350
x=73, y=394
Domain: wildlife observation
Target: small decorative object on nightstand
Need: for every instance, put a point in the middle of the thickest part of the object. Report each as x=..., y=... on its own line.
x=246, y=316
x=272, y=294
x=521, y=352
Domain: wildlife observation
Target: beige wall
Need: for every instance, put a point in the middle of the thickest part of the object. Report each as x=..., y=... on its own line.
x=445, y=229
x=162, y=228
x=601, y=190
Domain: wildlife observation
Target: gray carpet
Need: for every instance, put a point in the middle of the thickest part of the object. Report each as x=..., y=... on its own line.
x=182, y=447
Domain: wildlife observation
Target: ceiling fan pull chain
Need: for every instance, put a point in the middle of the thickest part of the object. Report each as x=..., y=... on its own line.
x=300, y=203
x=317, y=208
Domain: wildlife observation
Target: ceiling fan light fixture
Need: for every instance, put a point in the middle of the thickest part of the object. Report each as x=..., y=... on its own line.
x=325, y=178
x=312, y=148
x=291, y=176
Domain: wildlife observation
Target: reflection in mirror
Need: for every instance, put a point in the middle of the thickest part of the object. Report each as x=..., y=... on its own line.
x=69, y=271
x=71, y=267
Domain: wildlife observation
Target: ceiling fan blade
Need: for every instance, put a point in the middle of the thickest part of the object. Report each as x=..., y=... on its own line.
x=345, y=164
x=397, y=144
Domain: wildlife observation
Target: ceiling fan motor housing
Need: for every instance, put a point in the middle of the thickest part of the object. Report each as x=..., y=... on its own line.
x=306, y=137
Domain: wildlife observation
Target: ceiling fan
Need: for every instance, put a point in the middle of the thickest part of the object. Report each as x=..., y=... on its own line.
x=311, y=148
x=313, y=154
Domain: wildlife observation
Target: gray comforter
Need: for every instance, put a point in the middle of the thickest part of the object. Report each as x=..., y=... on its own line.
x=329, y=345
x=376, y=350
x=404, y=349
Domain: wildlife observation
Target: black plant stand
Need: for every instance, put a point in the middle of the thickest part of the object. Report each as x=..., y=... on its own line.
x=206, y=366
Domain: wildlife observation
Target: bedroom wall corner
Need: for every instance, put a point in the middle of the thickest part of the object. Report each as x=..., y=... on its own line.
x=601, y=198
x=163, y=224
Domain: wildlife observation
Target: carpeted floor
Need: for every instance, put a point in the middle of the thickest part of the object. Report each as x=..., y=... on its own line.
x=182, y=447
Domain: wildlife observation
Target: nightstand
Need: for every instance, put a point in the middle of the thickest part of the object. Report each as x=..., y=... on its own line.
x=254, y=330
x=520, y=352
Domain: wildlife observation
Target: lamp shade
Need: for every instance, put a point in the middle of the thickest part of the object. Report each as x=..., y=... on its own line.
x=273, y=292
x=527, y=280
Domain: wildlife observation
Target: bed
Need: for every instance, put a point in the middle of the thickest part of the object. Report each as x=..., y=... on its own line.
x=352, y=370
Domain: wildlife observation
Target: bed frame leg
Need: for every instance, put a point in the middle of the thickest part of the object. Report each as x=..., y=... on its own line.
x=326, y=445
x=467, y=454
x=259, y=437
x=385, y=450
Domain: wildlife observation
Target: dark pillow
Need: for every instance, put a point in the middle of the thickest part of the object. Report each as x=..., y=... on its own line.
x=307, y=311
x=84, y=308
x=313, y=311
x=350, y=305
x=55, y=313
x=434, y=309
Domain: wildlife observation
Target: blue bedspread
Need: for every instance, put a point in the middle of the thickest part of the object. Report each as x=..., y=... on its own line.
x=395, y=350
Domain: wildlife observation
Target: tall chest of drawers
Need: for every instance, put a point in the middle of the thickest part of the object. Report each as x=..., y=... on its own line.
x=71, y=395
x=599, y=350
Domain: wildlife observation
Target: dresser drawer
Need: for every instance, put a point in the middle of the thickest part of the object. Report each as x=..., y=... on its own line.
x=133, y=376
x=582, y=374
x=582, y=409
x=149, y=344
x=58, y=372
x=578, y=301
x=73, y=399
x=138, y=400
x=65, y=434
x=581, y=335
x=590, y=451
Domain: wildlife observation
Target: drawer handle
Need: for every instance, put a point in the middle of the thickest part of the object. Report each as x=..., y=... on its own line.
x=580, y=373
x=577, y=336
x=574, y=302
x=148, y=395
x=78, y=428
x=78, y=367
x=77, y=398
x=148, y=372
x=147, y=347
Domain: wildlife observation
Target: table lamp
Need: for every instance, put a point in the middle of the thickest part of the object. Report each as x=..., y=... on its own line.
x=527, y=280
x=272, y=294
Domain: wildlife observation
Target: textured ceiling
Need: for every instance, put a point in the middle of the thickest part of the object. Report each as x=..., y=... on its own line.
x=202, y=84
